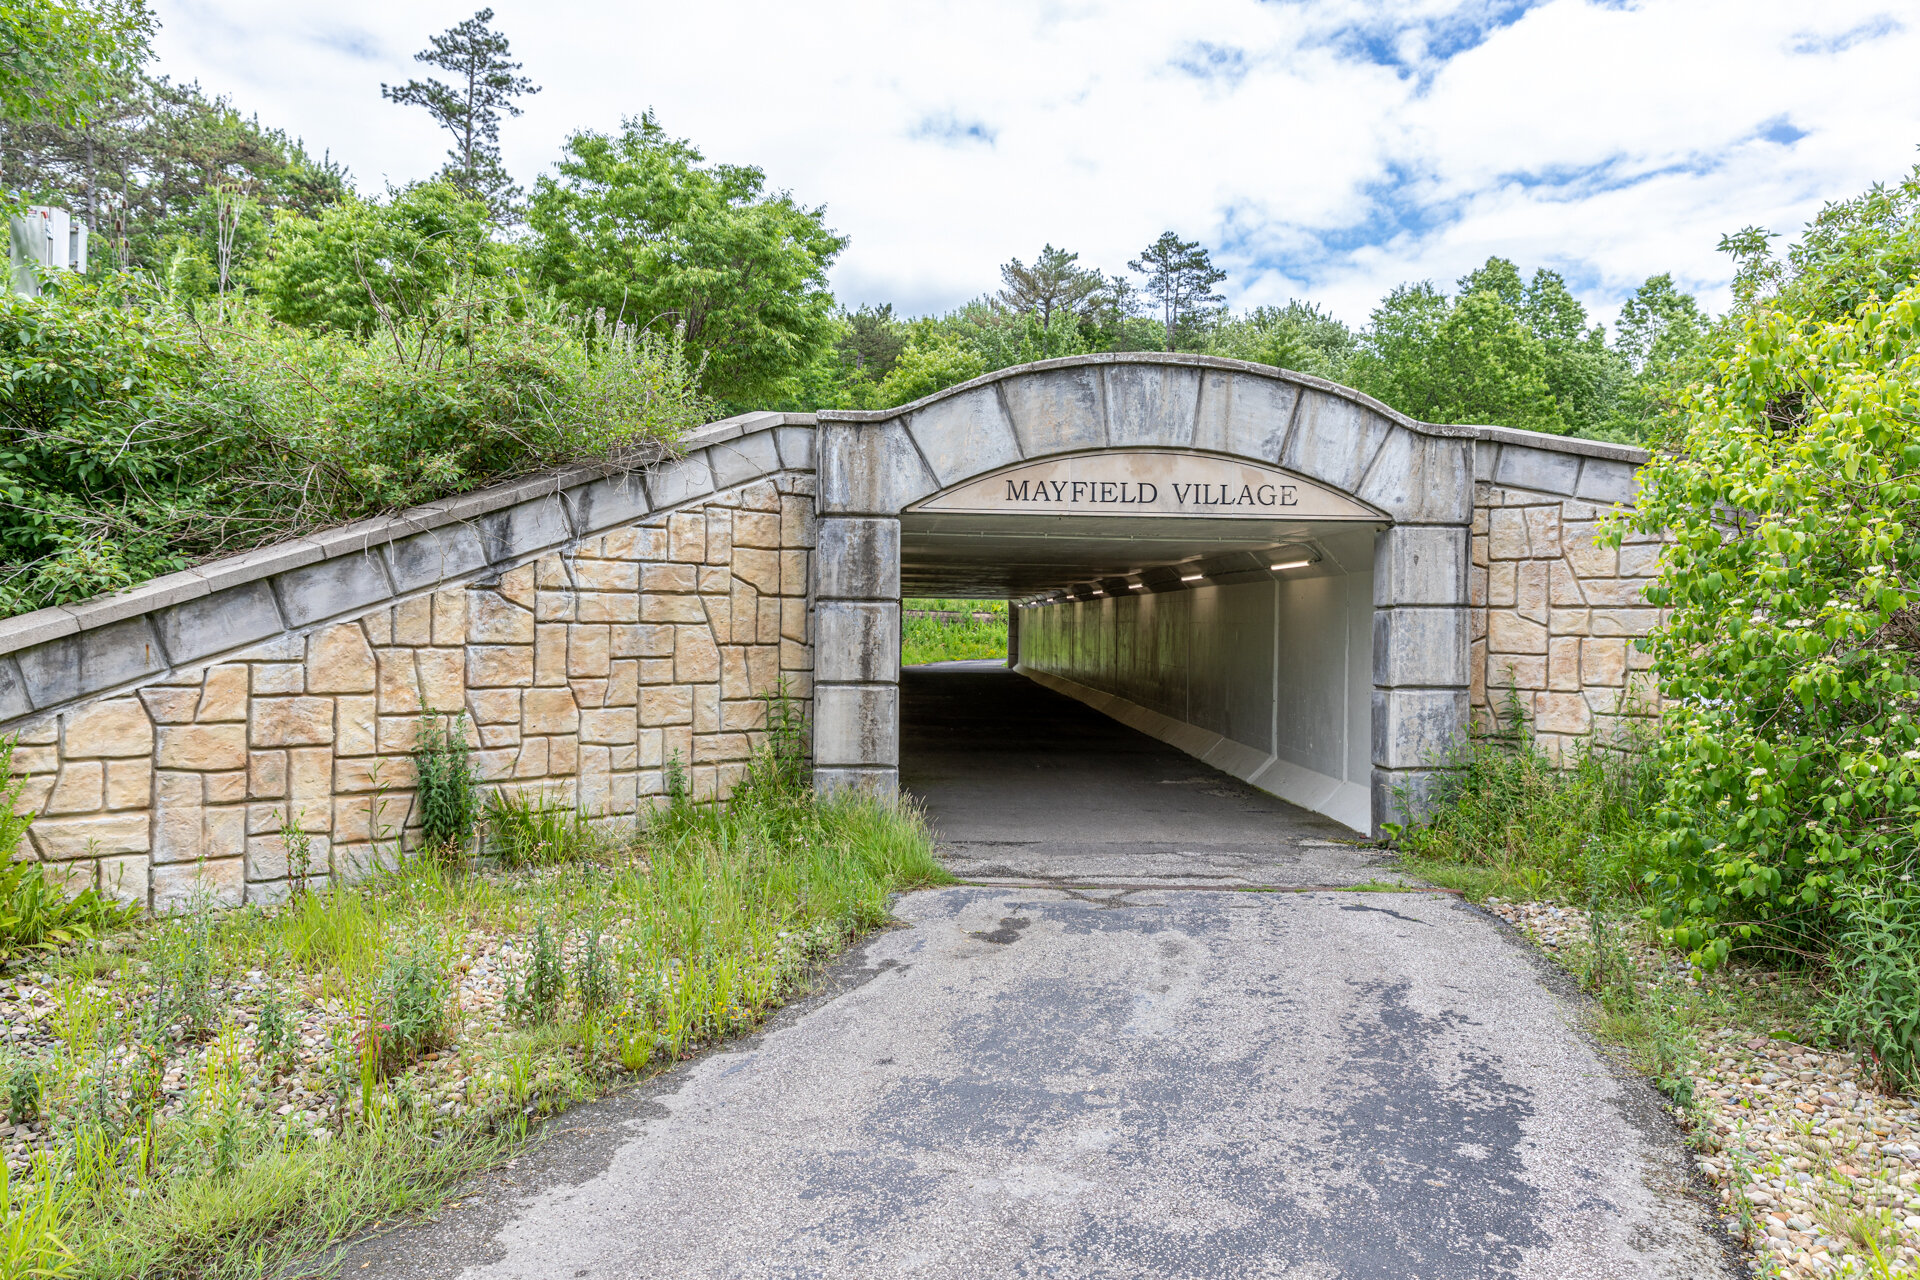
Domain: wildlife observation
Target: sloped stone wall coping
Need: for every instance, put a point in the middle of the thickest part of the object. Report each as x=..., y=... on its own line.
x=52, y=657
x=1495, y=435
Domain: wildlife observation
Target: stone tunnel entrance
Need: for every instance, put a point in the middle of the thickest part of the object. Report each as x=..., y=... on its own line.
x=1262, y=570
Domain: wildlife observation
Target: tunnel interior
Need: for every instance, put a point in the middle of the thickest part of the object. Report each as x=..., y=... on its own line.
x=1244, y=643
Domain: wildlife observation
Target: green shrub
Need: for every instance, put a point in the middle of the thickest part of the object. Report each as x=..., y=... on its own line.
x=1875, y=1005
x=943, y=640
x=409, y=1014
x=1790, y=652
x=449, y=795
x=536, y=995
x=528, y=832
x=139, y=434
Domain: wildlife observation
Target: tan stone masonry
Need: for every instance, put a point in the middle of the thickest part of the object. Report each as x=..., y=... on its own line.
x=582, y=672
x=1555, y=616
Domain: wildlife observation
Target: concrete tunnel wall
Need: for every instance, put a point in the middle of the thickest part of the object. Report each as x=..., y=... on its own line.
x=1269, y=681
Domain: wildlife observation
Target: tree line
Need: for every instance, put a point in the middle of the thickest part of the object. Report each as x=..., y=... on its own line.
x=638, y=226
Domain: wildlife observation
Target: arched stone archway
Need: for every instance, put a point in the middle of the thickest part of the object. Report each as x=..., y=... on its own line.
x=1413, y=481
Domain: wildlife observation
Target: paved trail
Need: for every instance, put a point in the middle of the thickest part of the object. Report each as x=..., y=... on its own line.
x=1158, y=1081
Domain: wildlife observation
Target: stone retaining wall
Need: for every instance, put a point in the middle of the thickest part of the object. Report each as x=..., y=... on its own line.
x=1555, y=615
x=592, y=628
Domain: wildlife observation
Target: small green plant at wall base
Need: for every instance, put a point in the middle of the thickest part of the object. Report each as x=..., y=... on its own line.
x=449, y=797
x=34, y=913
x=409, y=1014
x=677, y=791
x=543, y=983
x=527, y=832
x=1875, y=1004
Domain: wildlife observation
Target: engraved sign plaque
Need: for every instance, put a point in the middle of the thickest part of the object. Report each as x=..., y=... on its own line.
x=1148, y=482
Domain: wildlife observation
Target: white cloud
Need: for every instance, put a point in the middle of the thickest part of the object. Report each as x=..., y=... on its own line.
x=1322, y=148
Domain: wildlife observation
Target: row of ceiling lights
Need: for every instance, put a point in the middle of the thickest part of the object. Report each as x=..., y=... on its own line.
x=1065, y=593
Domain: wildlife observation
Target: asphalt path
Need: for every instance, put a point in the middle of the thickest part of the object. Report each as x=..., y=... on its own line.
x=1025, y=1079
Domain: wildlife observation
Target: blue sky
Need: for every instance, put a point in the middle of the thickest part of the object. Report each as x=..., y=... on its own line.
x=1325, y=149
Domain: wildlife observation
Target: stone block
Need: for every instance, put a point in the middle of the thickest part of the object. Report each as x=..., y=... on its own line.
x=747, y=457
x=606, y=575
x=398, y=735
x=267, y=774
x=89, y=662
x=680, y=480
x=114, y=727
x=1543, y=530
x=881, y=784
x=354, y=726
x=757, y=529
x=98, y=835
x=743, y=715
x=1418, y=728
x=1561, y=713
x=399, y=682
x=80, y=788
x=1570, y=622
x=1507, y=534
x=1530, y=595
x=1334, y=439
x=1406, y=795
x=607, y=502
x=588, y=650
x=1503, y=584
x=859, y=559
x=870, y=469
x=550, y=654
x=796, y=447
x=450, y=616
x=1420, y=479
x=373, y=773
x=769, y=628
x=672, y=609
x=223, y=697
x=794, y=580
x=227, y=788
x=550, y=711
x=1511, y=633
x=601, y=606
x=1640, y=560
x=796, y=521
x=622, y=683
x=524, y=529
x=1154, y=404
x=129, y=784
x=669, y=579
x=350, y=583
x=1606, y=481
x=492, y=620
x=1603, y=661
x=284, y=722
x=1054, y=412
x=761, y=568
x=435, y=556
x=1411, y=647
x=964, y=434
x=1420, y=565
x=793, y=618
x=1544, y=470
x=339, y=660
x=607, y=726
x=413, y=621
x=495, y=666
x=218, y=623
x=518, y=585
x=1563, y=663
x=1511, y=672
x=203, y=747
x=719, y=535
x=553, y=573
x=188, y=886
x=687, y=538
x=696, y=659
x=656, y=670
x=1617, y=592
x=442, y=679
x=665, y=705
x=124, y=879
x=857, y=725
x=859, y=643
x=1563, y=586
x=1586, y=557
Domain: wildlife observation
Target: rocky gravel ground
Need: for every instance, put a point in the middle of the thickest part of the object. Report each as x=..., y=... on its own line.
x=1818, y=1171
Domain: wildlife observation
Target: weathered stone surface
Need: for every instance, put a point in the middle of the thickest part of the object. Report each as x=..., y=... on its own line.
x=218, y=623
x=1414, y=647
x=346, y=584
x=61, y=839
x=745, y=458
x=680, y=481
x=494, y=666
x=1334, y=440
x=202, y=746
x=869, y=469
x=964, y=434
x=859, y=641
x=62, y=670
x=339, y=660
x=858, y=559
x=1418, y=728
x=857, y=725
x=1510, y=633
x=80, y=788
x=1542, y=470
x=1420, y=565
x=114, y=727
x=288, y=722
x=492, y=620
x=435, y=556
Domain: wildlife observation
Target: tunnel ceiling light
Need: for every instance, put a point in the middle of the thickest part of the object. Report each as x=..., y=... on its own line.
x=1192, y=577
x=1136, y=586
x=1290, y=564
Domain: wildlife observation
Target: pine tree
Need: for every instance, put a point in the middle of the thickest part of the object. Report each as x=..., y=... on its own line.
x=484, y=89
x=1180, y=277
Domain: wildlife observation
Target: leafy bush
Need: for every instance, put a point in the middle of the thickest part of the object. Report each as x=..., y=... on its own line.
x=139, y=434
x=409, y=1014
x=449, y=796
x=1790, y=654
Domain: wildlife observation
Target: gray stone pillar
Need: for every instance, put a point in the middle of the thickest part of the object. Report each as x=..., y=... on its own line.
x=856, y=690
x=1420, y=667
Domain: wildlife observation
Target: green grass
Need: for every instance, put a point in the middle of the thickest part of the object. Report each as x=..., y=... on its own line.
x=693, y=931
x=937, y=640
